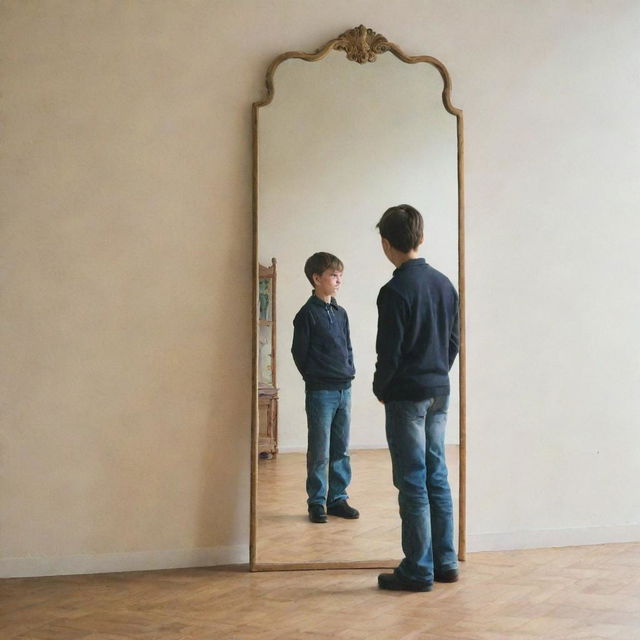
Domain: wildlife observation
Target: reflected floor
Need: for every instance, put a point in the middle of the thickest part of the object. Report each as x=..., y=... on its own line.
x=285, y=535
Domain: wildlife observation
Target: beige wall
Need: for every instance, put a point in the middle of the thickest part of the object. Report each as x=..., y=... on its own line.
x=124, y=317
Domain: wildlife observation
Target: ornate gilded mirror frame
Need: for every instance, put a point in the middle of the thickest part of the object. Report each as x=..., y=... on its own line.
x=361, y=45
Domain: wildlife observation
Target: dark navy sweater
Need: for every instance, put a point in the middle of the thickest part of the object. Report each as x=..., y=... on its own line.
x=418, y=334
x=322, y=346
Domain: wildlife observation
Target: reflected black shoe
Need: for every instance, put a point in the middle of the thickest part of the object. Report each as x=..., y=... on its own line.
x=393, y=582
x=447, y=575
x=317, y=513
x=343, y=510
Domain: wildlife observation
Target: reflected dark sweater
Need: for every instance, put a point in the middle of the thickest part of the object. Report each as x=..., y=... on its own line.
x=418, y=334
x=321, y=345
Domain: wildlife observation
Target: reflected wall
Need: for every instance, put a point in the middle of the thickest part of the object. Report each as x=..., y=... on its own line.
x=338, y=145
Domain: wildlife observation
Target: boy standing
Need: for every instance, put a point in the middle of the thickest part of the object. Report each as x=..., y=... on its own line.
x=322, y=352
x=417, y=343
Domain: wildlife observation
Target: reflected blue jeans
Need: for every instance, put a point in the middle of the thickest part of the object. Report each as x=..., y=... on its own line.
x=415, y=434
x=328, y=463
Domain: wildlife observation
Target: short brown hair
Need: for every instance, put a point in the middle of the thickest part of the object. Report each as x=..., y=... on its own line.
x=402, y=226
x=319, y=263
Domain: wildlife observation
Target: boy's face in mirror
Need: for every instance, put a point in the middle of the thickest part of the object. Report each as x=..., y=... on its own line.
x=328, y=283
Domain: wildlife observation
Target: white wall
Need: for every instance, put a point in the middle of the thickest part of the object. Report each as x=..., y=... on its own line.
x=126, y=239
x=552, y=137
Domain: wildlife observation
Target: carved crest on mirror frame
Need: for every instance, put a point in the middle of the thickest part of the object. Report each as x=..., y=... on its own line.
x=361, y=44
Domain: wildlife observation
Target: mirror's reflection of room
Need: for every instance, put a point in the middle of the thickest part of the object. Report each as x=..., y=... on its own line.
x=339, y=144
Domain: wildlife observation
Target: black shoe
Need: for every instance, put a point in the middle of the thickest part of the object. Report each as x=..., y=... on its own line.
x=317, y=513
x=343, y=510
x=447, y=575
x=394, y=582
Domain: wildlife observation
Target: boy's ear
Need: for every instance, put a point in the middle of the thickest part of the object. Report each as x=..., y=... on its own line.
x=421, y=240
x=316, y=278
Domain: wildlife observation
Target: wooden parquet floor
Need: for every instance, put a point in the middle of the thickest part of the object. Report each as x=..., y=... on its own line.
x=578, y=593
x=285, y=535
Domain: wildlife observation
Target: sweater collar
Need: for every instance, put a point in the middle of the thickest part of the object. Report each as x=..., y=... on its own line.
x=410, y=264
x=321, y=303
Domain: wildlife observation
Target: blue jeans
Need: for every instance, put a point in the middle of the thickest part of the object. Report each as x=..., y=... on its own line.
x=328, y=463
x=415, y=433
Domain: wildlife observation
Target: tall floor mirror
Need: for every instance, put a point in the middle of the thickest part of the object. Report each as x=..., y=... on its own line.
x=342, y=134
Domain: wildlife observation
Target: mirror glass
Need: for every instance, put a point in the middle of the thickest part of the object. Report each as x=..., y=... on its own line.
x=339, y=144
